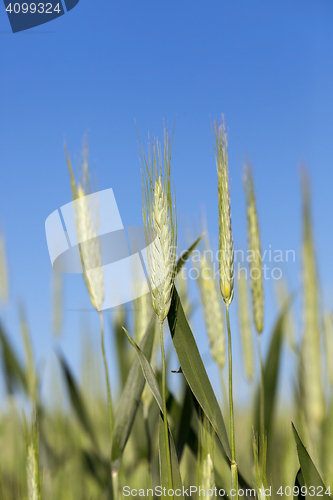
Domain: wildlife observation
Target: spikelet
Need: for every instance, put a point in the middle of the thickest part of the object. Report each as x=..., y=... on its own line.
x=310, y=347
x=328, y=324
x=3, y=271
x=226, y=245
x=86, y=220
x=159, y=219
x=213, y=313
x=256, y=274
x=245, y=326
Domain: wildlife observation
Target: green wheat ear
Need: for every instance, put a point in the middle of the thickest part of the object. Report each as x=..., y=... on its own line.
x=260, y=468
x=311, y=367
x=213, y=313
x=159, y=216
x=205, y=464
x=86, y=221
x=245, y=326
x=226, y=245
x=253, y=234
x=32, y=460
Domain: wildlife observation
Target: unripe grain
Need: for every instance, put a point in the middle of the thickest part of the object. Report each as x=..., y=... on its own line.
x=226, y=245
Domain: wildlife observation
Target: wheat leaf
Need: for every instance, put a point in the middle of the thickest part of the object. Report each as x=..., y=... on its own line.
x=310, y=473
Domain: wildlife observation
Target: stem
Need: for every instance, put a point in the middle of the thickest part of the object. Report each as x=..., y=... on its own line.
x=115, y=485
x=166, y=433
x=234, y=473
x=262, y=406
x=106, y=376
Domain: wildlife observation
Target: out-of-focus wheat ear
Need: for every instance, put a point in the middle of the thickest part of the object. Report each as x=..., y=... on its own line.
x=311, y=340
x=260, y=468
x=30, y=365
x=328, y=324
x=91, y=375
x=3, y=271
x=90, y=249
x=245, y=326
x=254, y=247
x=86, y=221
x=213, y=312
x=205, y=464
x=32, y=461
x=86, y=175
x=226, y=245
x=57, y=299
x=71, y=174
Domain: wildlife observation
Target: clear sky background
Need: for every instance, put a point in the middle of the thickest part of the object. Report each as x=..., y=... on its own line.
x=267, y=65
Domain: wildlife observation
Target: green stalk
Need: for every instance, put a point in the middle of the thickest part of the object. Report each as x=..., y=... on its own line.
x=261, y=407
x=106, y=376
x=166, y=433
x=234, y=473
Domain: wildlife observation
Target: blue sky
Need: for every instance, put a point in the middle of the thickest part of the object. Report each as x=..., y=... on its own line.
x=266, y=65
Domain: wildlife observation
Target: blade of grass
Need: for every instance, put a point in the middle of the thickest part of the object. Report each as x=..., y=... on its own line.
x=184, y=422
x=299, y=483
x=184, y=257
x=310, y=473
x=13, y=370
x=123, y=358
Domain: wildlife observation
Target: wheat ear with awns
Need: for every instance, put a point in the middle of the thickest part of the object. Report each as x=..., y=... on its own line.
x=86, y=222
x=226, y=245
x=159, y=217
